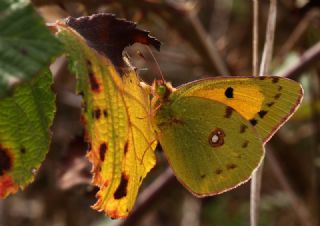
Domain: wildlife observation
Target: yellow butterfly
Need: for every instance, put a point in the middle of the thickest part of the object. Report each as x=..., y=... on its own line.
x=213, y=131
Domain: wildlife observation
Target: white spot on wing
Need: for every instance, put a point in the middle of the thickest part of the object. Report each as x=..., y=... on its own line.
x=215, y=139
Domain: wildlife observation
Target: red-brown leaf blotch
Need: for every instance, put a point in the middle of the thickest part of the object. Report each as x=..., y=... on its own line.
x=110, y=35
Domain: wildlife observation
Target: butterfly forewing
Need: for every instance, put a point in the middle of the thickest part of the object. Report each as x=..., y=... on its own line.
x=209, y=145
x=266, y=102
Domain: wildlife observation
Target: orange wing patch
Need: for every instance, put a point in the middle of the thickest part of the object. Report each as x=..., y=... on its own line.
x=247, y=100
x=266, y=102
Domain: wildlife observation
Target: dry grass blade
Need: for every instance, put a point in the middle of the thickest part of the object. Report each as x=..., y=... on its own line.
x=268, y=45
x=191, y=210
x=264, y=67
x=255, y=38
x=255, y=189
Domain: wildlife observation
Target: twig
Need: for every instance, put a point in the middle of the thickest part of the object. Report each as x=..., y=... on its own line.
x=264, y=67
x=270, y=32
x=188, y=23
x=298, y=205
x=255, y=185
x=308, y=59
x=211, y=49
x=191, y=211
x=188, y=26
x=299, y=31
x=316, y=143
x=255, y=38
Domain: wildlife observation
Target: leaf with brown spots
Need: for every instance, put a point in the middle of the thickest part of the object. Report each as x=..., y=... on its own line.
x=26, y=44
x=25, y=118
x=117, y=121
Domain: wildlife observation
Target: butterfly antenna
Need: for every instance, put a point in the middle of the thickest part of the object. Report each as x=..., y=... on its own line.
x=156, y=63
x=148, y=147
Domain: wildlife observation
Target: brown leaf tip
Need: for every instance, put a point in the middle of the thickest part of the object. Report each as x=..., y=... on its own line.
x=110, y=35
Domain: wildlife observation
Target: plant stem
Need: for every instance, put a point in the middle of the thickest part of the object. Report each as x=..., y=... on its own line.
x=255, y=38
x=264, y=68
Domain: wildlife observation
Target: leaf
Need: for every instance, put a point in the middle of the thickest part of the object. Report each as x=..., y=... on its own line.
x=116, y=109
x=25, y=118
x=26, y=45
x=114, y=35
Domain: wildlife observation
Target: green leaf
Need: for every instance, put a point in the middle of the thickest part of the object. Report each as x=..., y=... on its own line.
x=26, y=45
x=25, y=118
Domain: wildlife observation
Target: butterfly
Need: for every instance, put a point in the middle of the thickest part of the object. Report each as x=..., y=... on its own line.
x=213, y=131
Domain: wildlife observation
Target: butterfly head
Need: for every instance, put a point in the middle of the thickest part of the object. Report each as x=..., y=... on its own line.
x=162, y=89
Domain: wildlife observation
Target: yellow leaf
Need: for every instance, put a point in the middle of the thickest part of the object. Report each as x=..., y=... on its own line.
x=116, y=114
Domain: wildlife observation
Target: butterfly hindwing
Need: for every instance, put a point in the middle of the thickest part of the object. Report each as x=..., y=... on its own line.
x=266, y=102
x=210, y=146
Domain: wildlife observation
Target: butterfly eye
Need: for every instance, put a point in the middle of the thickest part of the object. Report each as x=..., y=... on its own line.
x=161, y=90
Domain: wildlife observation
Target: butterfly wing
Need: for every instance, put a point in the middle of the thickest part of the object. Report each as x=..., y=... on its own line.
x=210, y=146
x=266, y=102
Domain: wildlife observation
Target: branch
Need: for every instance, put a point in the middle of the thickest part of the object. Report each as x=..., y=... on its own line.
x=298, y=205
x=188, y=26
x=309, y=58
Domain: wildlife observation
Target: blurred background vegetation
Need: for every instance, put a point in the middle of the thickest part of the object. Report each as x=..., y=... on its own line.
x=200, y=38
